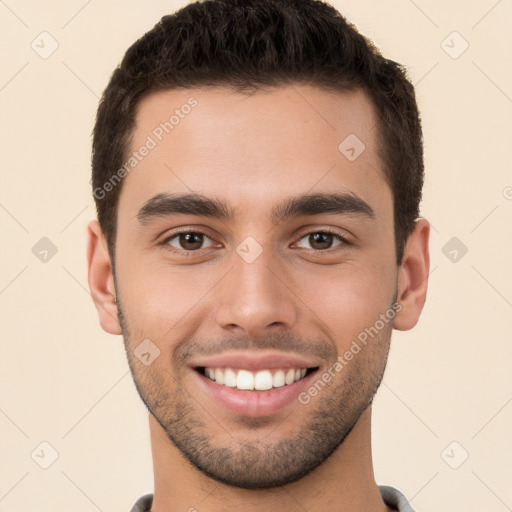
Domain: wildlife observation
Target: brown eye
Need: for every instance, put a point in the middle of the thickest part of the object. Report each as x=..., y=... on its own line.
x=321, y=240
x=189, y=241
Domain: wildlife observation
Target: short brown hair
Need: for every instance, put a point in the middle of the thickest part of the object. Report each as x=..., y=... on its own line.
x=250, y=45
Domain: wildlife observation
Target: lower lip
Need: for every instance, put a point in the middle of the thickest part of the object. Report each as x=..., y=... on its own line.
x=254, y=403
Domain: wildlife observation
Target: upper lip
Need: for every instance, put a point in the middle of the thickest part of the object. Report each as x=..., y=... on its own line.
x=255, y=361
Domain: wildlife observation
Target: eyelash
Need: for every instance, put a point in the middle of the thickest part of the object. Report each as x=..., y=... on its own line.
x=166, y=246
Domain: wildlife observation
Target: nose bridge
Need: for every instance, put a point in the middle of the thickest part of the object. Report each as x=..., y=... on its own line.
x=254, y=297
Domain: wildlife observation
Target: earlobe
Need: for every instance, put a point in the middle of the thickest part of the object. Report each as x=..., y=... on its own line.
x=413, y=277
x=100, y=279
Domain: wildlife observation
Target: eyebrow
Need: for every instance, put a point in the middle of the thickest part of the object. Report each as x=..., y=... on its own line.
x=164, y=205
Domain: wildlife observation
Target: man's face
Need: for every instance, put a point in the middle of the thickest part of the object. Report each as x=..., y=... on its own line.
x=262, y=288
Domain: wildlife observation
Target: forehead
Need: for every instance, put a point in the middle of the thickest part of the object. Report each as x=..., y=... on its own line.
x=254, y=148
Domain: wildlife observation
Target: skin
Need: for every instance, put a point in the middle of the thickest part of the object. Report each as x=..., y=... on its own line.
x=253, y=152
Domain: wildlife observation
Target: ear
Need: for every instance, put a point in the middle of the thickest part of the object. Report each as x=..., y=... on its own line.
x=101, y=280
x=413, y=277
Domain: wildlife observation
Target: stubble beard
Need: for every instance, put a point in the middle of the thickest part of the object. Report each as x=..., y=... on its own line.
x=260, y=463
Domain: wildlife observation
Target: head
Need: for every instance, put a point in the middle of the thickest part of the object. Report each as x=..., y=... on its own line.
x=291, y=151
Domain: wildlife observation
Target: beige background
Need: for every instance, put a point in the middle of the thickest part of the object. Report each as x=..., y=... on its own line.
x=64, y=381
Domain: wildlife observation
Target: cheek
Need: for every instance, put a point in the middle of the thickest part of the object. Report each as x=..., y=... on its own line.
x=158, y=299
x=350, y=298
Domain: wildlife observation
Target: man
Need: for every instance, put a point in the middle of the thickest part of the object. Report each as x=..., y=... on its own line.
x=257, y=171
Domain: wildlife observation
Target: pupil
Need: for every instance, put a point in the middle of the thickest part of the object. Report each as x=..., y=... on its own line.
x=323, y=239
x=193, y=240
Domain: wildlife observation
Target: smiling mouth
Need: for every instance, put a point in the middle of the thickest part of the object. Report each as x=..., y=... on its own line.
x=261, y=380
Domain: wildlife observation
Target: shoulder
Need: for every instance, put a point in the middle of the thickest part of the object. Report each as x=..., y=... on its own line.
x=143, y=504
x=394, y=498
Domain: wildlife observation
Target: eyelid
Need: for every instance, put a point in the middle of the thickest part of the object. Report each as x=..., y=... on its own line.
x=344, y=240
x=199, y=231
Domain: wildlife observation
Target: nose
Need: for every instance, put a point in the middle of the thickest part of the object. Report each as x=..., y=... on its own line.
x=255, y=298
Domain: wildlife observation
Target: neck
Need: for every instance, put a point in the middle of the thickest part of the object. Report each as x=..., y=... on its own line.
x=344, y=481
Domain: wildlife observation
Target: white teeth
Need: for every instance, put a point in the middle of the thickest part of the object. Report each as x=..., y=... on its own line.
x=244, y=380
x=278, y=379
x=290, y=377
x=219, y=376
x=230, y=378
x=261, y=380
